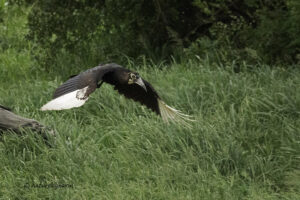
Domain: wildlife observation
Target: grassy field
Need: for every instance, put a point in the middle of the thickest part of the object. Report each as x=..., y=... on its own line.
x=244, y=144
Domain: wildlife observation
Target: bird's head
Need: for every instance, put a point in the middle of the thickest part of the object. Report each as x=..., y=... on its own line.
x=134, y=78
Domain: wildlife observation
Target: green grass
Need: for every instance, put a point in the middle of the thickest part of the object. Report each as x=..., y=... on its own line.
x=245, y=143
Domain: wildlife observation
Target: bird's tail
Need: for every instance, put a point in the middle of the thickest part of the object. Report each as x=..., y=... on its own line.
x=171, y=114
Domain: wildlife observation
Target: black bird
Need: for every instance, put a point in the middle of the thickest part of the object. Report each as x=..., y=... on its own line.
x=75, y=91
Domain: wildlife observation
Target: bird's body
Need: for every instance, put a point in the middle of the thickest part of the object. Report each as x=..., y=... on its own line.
x=75, y=91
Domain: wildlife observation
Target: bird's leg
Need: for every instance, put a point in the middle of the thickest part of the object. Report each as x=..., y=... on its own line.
x=99, y=84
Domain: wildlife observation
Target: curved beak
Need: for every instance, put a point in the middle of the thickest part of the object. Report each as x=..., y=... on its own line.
x=140, y=82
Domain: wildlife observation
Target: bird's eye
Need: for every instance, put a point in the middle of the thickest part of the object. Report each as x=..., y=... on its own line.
x=132, y=76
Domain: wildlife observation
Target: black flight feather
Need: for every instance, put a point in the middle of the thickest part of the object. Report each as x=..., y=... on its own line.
x=137, y=93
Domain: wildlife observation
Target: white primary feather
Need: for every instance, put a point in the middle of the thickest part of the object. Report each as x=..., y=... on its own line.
x=66, y=101
x=171, y=114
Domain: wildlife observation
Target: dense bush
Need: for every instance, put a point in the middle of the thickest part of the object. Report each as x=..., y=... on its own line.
x=268, y=35
x=2, y=9
x=247, y=30
x=277, y=35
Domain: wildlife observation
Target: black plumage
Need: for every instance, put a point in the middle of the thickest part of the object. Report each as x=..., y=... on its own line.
x=148, y=98
x=76, y=90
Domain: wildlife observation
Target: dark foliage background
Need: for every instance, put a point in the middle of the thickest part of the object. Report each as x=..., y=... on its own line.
x=254, y=31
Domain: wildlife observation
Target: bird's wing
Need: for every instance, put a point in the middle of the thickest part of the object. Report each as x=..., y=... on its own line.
x=88, y=78
x=148, y=98
x=76, y=90
x=73, y=93
x=82, y=80
x=151, y=99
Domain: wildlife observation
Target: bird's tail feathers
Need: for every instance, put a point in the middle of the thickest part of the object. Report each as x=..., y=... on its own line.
x=171, y=114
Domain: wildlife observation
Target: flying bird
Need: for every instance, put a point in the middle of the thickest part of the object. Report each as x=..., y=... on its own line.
x=76, y=90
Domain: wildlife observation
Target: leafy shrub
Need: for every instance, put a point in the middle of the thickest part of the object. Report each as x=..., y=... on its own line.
x=278, y=33
x=255, y=30
x=2, y=9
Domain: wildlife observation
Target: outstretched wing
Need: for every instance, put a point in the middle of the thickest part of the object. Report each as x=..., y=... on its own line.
x=151, y=99
x=85, y=79
x=75, y=91
x=148, y=98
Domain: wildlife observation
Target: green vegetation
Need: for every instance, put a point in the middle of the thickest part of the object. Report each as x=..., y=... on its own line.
x=243, y=145
x=254, y=30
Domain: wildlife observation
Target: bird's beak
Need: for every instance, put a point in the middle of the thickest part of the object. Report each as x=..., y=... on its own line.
x=140, y=82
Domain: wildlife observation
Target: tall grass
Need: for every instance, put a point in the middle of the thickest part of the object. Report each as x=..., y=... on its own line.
x=243, y=145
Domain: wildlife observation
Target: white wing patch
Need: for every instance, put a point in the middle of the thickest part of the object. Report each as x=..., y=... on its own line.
x=171, y=114
x=81, y=93
x=67, y=101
